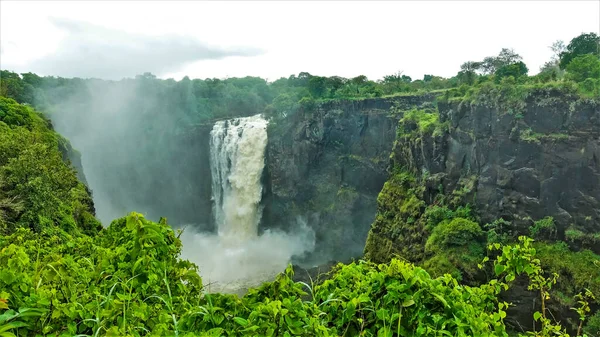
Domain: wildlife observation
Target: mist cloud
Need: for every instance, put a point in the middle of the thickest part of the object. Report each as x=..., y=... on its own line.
x=233, y=267
x=97, y=52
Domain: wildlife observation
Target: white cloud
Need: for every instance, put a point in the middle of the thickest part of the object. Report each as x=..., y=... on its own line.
x=93, y=51
x=325, y=38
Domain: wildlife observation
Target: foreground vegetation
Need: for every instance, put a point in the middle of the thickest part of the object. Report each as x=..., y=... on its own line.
x=62, y=274
x=129, y=281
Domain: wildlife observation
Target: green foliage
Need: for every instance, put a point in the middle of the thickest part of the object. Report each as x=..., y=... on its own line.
x=455, y=233
x=587, y=43
x=572, y=234
x=307, y=103
x=126, y=278
x=435, y=214
x=543, y=229
x=515, y=70
x=427, y=121
x=404, y=222
x=583, y=67
x=529, y=136
x=38, y=189
x=440, y=264
x=521, y=259
x=499, y=231
x=578, y=270
x=399, y=201
x=505, y=57
x=583, y=309
x=590, y=87
x=12, y=86
x=455, y=242
x=592, y=326
x=398, y=299
x=14, y=114
x=129, y=281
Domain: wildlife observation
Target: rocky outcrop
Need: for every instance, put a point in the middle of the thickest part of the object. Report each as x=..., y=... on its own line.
x=541, y=162
x=520, y=161
x=326, y=166
x=521, y=166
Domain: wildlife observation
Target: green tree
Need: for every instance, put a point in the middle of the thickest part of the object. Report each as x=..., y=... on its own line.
x=583, y=67
x=587, y=43
x=506, y=56
x=515, y=70
x=335, y=83
x=317, y=86
x=358, y=81
x=467, y=73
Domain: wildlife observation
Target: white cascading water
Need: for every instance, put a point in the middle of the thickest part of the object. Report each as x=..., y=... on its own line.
x=237, y=258
x=237, y=159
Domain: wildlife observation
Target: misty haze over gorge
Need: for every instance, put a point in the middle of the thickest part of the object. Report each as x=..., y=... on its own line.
x=300, y=168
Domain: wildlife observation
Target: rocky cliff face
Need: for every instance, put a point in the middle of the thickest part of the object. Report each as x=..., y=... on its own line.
x=521, y=167
x=326, y=166
x=521, y=162
x=543, y=162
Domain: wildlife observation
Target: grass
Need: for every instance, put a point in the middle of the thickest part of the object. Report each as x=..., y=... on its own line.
x=528, y=135
x=427, y=121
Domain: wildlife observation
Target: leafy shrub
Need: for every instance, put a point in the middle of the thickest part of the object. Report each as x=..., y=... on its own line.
x=590, y=87
x=453, y=233
x=436, y=214
x=14, y=114
x=129, y=281
x=543, y=229
x=584, y=67
x=440, y=264
x=592, y=326
x=499, y=231
x=427, y=121
x=129, y=276
x=515, y=70
x=577, y=270
x=399, y=299
x=38, y=187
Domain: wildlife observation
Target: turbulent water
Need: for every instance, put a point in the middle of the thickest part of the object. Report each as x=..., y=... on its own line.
x=237, y=154
x=237, y=257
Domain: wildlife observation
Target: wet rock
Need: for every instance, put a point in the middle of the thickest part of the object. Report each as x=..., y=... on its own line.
x=327, y=166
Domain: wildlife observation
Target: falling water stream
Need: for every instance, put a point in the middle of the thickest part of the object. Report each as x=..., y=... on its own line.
x=237, y=159
x=237, y=258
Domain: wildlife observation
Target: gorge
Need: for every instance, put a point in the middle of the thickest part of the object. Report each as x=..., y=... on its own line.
x=241, y=188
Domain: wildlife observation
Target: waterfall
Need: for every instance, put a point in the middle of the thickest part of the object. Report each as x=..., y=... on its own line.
x=237, y=257
x=237, y=151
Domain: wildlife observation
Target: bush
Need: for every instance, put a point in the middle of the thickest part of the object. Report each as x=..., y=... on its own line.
x=439, y=265
x=455, y=233
x=590, y=87
x=584, y=67
x=543, y=229
x=592, y=327
x=515, y=70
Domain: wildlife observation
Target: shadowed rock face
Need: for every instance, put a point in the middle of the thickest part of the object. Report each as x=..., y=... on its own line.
x=327, y=167
x=545, y=163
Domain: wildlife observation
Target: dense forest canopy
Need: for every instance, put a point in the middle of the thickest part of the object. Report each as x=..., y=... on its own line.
x=63, y=274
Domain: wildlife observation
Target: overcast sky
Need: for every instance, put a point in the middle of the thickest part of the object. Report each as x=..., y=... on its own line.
x=111, y=39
